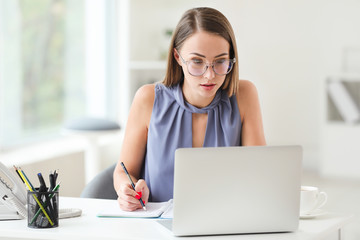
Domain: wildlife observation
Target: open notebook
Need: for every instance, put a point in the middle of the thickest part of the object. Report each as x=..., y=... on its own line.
x=153, y=210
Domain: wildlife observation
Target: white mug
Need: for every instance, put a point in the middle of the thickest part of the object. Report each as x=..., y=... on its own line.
x=311, y=199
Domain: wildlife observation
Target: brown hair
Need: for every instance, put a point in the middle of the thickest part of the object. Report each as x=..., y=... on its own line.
x=194, y=20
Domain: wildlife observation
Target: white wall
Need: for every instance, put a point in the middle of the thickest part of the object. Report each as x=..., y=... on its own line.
x=288, y=48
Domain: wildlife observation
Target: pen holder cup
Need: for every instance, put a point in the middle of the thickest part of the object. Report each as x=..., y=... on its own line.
x=43, y=209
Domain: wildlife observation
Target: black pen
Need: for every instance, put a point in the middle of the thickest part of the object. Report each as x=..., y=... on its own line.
x=55, y=176
x=52, y=181
x=132, y=184
x=44, y=189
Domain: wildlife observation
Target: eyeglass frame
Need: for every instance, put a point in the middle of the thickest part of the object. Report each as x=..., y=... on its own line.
x=232, y=61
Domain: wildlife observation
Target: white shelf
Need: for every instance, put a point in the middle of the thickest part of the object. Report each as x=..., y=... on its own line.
x=147, y=65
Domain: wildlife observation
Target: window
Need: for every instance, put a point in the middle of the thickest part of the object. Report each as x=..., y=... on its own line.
x=47, y=64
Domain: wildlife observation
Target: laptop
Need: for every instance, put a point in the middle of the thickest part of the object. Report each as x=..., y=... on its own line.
x=236, y=190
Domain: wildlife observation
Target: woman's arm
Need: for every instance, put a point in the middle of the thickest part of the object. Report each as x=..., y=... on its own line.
x=133, y=150
x=252, y=133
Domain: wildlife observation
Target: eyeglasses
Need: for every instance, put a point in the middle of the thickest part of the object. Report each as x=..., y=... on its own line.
x=197, y=67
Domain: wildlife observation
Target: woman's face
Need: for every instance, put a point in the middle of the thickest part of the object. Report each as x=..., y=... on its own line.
x=202, y=47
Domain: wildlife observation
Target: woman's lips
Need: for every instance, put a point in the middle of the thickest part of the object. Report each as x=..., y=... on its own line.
x=208, y=86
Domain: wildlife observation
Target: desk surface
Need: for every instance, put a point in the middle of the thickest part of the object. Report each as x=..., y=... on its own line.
x=88, y=226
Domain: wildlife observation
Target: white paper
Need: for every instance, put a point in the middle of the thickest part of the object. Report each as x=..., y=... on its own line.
x=153, y=210
x=169, y=211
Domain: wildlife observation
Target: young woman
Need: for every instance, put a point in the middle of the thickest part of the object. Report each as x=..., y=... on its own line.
x=200, y=103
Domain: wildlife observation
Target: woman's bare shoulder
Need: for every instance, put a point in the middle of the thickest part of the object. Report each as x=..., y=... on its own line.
x=146, y=92
x=142, y=104
x=246, y=88
x=144, y=96
x=247, y=97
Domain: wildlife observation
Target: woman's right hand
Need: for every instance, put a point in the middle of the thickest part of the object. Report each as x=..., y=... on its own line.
x=128, y=199
x=133, y=150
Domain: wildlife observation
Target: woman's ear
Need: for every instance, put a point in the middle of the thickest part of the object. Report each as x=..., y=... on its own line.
x=177, y=57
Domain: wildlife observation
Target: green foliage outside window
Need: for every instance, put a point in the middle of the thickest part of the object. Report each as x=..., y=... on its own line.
x=42, y=44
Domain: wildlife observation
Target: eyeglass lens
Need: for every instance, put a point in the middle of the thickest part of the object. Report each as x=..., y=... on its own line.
x=220, y=67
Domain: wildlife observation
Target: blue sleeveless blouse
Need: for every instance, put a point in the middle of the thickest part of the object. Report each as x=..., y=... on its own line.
x=171, y=128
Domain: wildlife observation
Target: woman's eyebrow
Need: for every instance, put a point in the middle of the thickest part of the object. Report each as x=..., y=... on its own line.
x=220, y=55
x=200, y=55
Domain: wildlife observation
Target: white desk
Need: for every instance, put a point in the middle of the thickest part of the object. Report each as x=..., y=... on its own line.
x=88, y=226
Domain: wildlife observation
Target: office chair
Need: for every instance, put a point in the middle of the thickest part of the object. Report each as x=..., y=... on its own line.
x=101, y=186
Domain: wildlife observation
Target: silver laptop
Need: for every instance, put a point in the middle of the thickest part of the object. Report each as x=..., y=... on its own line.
x=234, y=190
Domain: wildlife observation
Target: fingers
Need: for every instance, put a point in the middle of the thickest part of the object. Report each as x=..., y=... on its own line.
x=138, y=195
x=128, y=199
x=142, y=187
